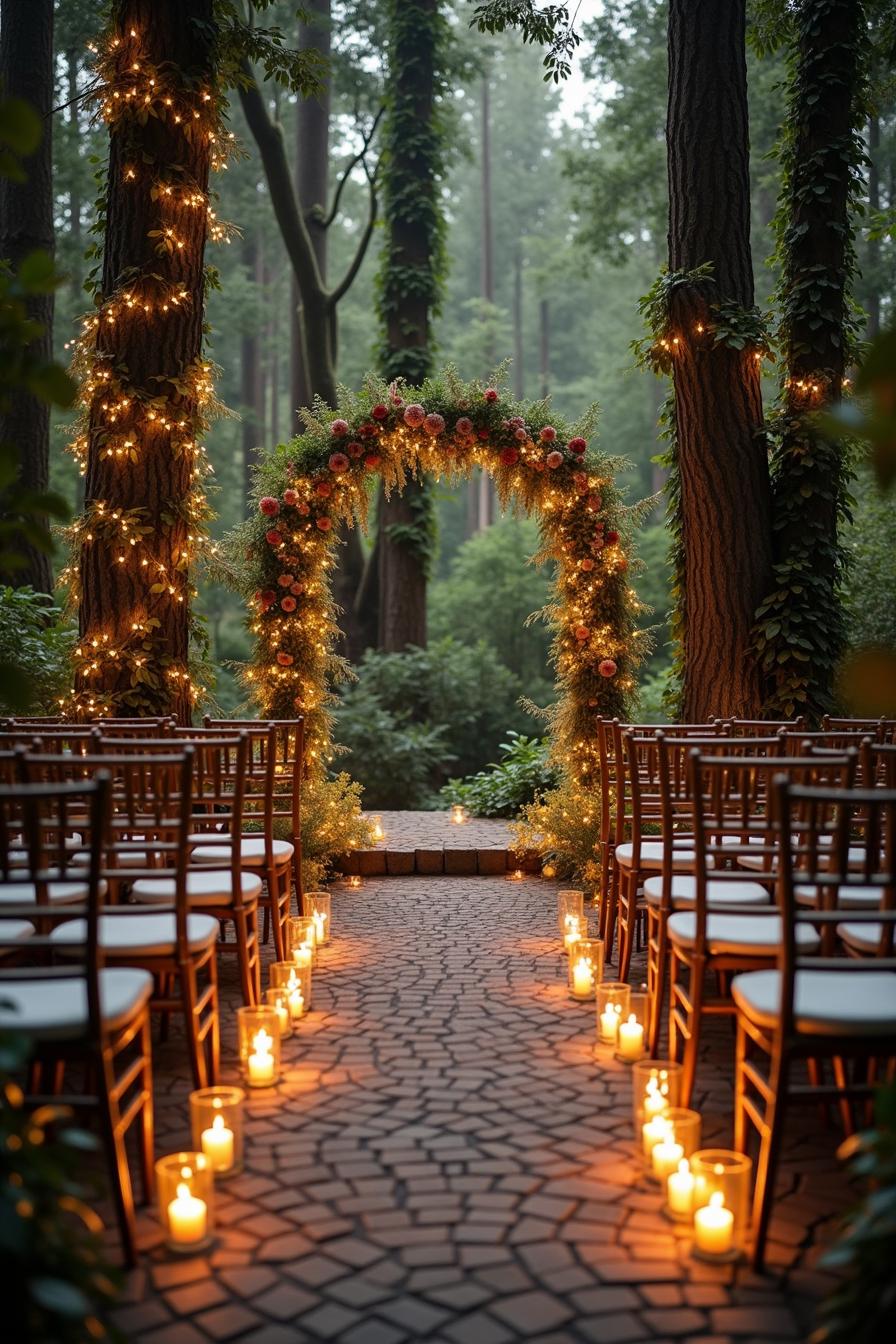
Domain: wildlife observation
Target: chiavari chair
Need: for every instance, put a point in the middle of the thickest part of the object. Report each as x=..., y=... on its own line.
x=881, y=730
x=816, y=1008
x=81, y=1014
x=149, y=824
x=757, y=727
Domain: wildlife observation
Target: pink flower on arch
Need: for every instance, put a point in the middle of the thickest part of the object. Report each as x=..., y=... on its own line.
x=290, y=496
x=587, y=564
x=464, y=427
x=324, y=489
x=288, y=603
x=286, y=580
x=324, y=524
x=521, y=434
x=607, y=668
x=582, y=633
x=297, y=589
x=380, y=412
x=267, y=598
x=414, y=415
x=490, y=394
x=612, y=537
x=554, y=460
x=273, y=537
x=434, y=423
x=338, y=463
x=269, y=506
x=372, y=461
x=581, y=482
x=285, y=659
x=517, y=422
x=303, y=509
x=339, y=427
x=577, y=445
x=354, y=449
x=509, y=456
x=548, y=434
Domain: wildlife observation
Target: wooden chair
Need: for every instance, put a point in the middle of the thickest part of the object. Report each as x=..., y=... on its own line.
x=81, y=1013
x=881, y=730
x=221, y=889
x=149, y=825
x=836, y=1008
x=757, y=727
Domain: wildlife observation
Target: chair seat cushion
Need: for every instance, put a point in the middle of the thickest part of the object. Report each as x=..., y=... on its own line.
x=855, y=860
x=203, y=888
x=14, y=931
x=863, y=938
x=827, y=1003
x=147, y=935
x=652, y=856
x=684, y=892
x=56, y=1010
x=66, y=892
x=731, y=935
x=252, y=852
x=859, y=897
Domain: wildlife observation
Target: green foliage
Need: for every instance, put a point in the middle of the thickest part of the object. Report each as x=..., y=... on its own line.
x=412, y=717
x=523, y=772
x=871, y=415
x=56, y=1280
x=563, y=826
x=547, y=26
x=490, y=594
x=332, y=825
x=860, y=1309
x=35, y=651
x=869, y=595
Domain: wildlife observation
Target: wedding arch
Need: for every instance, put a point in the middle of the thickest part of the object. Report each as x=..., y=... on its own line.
x=307, y=488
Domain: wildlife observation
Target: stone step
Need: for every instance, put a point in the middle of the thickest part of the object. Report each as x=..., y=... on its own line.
x=430, y=844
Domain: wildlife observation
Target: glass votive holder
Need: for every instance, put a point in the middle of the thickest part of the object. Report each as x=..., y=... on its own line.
x=721, y=1203
x=459, y=814
x=216, y=1125
x=585, y=968
x=656, y=1086
x=575, y=928
x=514, y=875
x=354, y=882
x=259, y=1045
x=633, y=1028
x=295, y=983
x=681, y=1140
x=184, y=1188
x=319, y=907
x=302, y=940
x=278, y=998
x=379, y=834
x=569, y=903
x=612, y=1008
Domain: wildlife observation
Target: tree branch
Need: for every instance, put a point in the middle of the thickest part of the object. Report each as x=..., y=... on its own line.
x=354, y=267
x=353, y=163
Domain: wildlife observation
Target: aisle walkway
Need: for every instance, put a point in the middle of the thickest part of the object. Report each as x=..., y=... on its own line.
x=447, y=1160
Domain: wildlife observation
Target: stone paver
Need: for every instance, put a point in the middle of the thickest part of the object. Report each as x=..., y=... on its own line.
x=418, y=843
x=450, y=1157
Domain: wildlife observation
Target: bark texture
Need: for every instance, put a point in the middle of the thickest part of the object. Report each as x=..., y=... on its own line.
x=725, y=493
x=155, y=351
x=26, y=225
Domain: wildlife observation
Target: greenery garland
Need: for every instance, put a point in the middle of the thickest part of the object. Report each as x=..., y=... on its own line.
x=799, y=634
x=284, y=556
x=731, y=325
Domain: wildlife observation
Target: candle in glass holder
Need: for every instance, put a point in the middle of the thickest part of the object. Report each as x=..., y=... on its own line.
x=515, y=876
x=294, y=997
x=187, y=1214
x=303, y=955
x=655, y=1131
x=378, y=833
x=458, y=814
x=260, y=1064
x=609, y=1022
x=354, y=881
x=276, y=999
x=655, y=1100
x=666, y=1156
x=320, y=921
x=217, y=1143
x=680, y=1190
x=582, y=979
x=630, y=1040
x=573, y=932
x=714, y=1226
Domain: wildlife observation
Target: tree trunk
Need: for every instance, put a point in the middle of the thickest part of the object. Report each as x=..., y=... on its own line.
x=544, y=346
x=74, y=195
x=872, y=328
x=274, y=333
x=412, y=209
x=159, y=351
x=249, y=376
x=519, y=372
x=26, y=225
x=487, y=264
x=725, y=496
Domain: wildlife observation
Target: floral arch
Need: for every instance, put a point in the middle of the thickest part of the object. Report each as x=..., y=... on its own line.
x=445, y=428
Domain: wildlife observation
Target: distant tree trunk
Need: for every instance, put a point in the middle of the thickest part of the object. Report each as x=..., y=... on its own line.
x=872, y=328
x=412, y=142
x=274, y=333
x=159, y=350
x=74, y=193
x=544, y=346
x=725, y=495
x=26, y=224
x=485, y=495
x=519, y=372
x=249, y=374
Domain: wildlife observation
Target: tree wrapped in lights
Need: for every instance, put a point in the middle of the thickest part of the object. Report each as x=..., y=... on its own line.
x=286, y=554
x=146, y=390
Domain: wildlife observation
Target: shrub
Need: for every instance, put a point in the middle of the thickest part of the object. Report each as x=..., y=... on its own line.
x=563, y=826
x=331, y=825
x=501, y=790
x=35, y=647
x=870, y=586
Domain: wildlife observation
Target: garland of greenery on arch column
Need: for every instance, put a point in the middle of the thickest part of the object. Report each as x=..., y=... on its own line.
x=284, y=555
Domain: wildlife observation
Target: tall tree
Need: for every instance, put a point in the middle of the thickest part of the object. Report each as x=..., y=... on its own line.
x=26, y=226
x=723, y=485
x=146, y=384
x=410, y=285
x=800, y=631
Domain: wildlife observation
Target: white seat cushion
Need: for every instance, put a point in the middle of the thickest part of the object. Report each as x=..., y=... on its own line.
x=684, y=892
x=252, y=852
x=148, y=935
x=731, y=935
x=834, y=1003
x=855, y=860
x=859, y=897
x=863, y=938
x=66, y=892
x=203, y=888
x=14, y=931
x=56, y=1010
x=652, y=856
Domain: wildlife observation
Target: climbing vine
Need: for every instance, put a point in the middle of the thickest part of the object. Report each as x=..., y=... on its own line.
x=799, y=632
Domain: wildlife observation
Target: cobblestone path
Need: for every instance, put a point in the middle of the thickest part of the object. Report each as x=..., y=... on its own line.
x=449, y=1158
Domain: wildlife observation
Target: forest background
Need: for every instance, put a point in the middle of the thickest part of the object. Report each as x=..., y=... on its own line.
x=555, y=202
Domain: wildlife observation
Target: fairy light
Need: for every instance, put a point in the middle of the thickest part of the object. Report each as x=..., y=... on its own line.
x=122, y=424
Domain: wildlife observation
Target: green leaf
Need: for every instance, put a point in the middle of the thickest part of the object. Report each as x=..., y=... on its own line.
x=51, y=383
x=20, y=125
x=37, y=273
